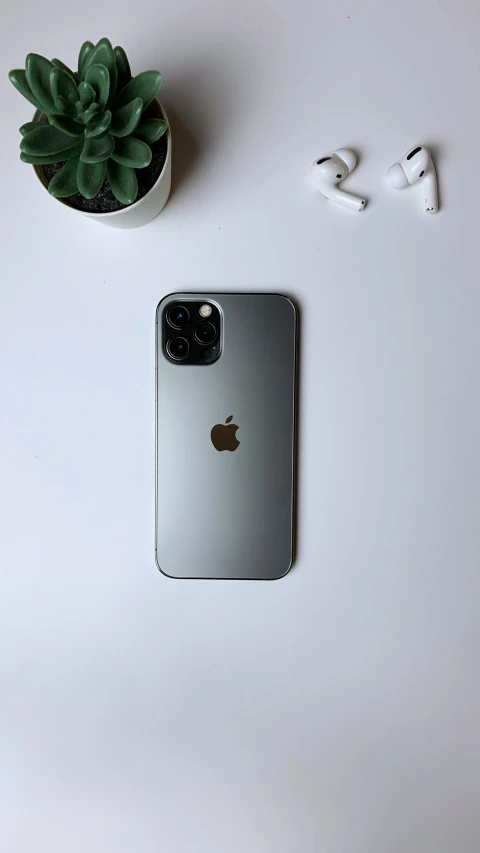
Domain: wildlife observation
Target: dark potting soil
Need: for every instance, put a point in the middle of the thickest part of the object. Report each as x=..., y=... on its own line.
x=105, y=201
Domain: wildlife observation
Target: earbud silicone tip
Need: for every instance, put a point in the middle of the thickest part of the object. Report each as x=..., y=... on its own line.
x=348, y=157
x=397, y=177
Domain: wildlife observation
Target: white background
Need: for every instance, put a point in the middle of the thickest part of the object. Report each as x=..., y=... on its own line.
x=336, y=710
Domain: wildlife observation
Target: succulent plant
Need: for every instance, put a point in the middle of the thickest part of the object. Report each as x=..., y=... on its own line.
x=95, y=120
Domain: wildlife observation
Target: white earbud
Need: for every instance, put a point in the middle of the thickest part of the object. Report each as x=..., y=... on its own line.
x=327, y=172
x=417, y=165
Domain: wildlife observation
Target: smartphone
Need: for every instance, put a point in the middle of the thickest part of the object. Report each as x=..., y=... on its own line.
x=225, y=435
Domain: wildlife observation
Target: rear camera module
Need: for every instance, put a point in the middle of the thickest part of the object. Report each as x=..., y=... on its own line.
x=191, y=331
x=205, y=333
x=178, y=316
x=178, y=348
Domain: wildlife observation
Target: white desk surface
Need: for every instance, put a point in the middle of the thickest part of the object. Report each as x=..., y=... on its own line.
x=336, y=710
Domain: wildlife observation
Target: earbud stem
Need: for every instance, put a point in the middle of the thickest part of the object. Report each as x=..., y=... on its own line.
x=342, y=197
x=431, y=190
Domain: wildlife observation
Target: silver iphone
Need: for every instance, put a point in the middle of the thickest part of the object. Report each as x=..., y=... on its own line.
x=225, y=435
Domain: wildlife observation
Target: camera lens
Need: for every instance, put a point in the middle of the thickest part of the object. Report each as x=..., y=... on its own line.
x=178, y=316
x=178, y=348
x=205, y=333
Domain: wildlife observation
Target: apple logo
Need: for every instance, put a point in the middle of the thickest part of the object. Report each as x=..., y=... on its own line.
x=223, y=437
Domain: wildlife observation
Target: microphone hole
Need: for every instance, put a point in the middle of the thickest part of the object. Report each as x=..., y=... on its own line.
x=415, y=151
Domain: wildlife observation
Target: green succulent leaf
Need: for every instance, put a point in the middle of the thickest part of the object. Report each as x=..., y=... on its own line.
x=67, y=124
x=38, y=70
x=124, y=75
x=99, y=79
x=85, y=52
x=102, y=54
x=59, y=64
x=28, y=126
x=92, y=114
x=132, y=152
x=123, y=182
x=46, y=139
x=86, y=94
x=90, y=177
x=65, y=107
x=19, y=80
x=97, y=148
x=150, y=129
x=64, y=183
x=63, y=86
x=144, y=86
x=126, y=119
x=46, y=159
x=99, y=126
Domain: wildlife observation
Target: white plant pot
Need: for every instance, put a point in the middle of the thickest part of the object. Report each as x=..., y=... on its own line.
x=138, y=213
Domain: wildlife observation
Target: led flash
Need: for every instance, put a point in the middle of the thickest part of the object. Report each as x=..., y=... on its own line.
x=205, y=310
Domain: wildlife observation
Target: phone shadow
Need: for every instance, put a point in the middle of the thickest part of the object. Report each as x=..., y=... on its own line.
x=296, y=444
